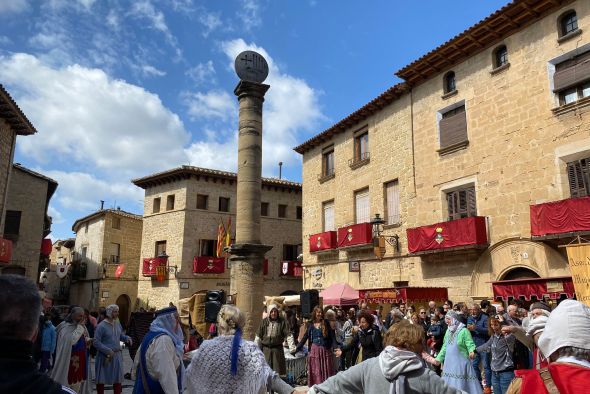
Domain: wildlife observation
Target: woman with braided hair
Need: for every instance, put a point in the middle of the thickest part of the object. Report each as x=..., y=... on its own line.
x=228, y=364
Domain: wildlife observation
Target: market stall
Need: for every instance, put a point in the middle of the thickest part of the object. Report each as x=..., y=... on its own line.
x=339, y=294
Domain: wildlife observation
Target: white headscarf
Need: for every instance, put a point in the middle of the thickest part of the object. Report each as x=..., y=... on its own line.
x=109, y=310
x=454, y=322
x=568, y=325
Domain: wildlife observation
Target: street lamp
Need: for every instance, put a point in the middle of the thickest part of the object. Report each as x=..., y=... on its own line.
x=377, y=222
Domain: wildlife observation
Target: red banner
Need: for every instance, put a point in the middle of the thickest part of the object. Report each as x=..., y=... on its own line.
x=5, y=250
x=291, y=268
x=46, y=247
x=357, y=234
x=323, y=241
x=538, y=287
x=150, y=265
x=208, y=265
x=119, y=270
x=559, y=217
x=460, y=232
x=265, y=267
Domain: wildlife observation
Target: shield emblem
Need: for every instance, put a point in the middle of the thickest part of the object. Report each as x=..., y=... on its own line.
x=285, y=267
x=62, y=270
x=319, y=243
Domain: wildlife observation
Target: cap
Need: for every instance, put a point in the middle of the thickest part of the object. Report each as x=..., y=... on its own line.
x=166, y=311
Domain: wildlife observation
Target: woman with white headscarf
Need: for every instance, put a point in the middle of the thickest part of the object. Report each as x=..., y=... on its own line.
x=109, y=360
x=457, y=350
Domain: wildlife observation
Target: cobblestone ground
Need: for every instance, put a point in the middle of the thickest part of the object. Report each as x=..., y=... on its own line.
x=127, y=384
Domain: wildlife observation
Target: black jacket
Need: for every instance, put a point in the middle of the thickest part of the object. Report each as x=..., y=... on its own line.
x=19, y=373
x=370, y=341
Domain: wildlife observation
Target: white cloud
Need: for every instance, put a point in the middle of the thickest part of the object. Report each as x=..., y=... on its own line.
x=56, y=216
x=92, y=121
x=213, y=154
x=87, y=3
x=80, y=191
x=202, y=72
x=113, y=19
x=13, y=6
x=151, y=71
x=145, y=9
x=210, y=21
x=250, y=14
x=213, y=104
x=5, y=40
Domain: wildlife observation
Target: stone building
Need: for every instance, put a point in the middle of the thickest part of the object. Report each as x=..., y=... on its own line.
x=56, y=288
x=466, y=161
x=107, y=240
x=13, y=122
x=26, y=221
x=183, y=208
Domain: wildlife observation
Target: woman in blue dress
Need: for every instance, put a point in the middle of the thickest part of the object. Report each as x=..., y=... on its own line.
x=109, y=360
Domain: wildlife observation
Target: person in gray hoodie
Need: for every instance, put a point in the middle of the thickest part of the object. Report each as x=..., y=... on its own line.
x=399, y=369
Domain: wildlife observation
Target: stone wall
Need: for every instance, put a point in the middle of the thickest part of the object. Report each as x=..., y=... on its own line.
x=7, y=143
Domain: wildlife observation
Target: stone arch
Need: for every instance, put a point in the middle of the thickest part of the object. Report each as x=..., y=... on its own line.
x=519, y=273
x=515, y=253
x=124, y=304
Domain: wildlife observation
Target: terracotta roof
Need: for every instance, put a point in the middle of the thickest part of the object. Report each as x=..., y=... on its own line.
x=52, y=183
x=506, y=21
x=102, y=212
x=185, y=172
x=384, y=99
x=13, y=115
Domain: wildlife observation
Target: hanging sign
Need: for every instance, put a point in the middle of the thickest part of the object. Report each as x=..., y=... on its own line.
x=578, y=257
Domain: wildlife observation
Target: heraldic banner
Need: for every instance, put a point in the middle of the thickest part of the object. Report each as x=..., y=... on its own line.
x=578, y=256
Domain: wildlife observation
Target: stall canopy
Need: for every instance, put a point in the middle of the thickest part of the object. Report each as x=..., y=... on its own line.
x=537, y=287
x=339, y=294
x=404, y=294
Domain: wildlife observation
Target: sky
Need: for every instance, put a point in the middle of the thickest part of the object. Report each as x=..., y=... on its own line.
x=119, y=89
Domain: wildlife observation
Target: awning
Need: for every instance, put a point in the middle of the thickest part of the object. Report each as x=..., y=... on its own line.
x=538, y=287
x=404, y=294
x=339, y=294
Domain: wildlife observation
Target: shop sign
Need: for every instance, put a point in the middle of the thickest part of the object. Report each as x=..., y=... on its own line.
x=354, y=266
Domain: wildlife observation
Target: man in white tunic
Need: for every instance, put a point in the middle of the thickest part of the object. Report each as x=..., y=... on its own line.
x=158, y=362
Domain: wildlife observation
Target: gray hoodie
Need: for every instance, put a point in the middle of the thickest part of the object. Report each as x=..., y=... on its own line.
x=395, y=371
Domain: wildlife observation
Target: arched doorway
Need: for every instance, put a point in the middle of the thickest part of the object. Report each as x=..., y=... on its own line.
x=520, y=273
x=124, y=302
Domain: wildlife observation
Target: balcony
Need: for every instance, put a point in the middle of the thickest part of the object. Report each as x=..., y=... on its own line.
x=560, y=219
x=292, y=269
x=326, y=241
x=460, y=234
x=208, y=265
x=5, y=251
x=151, y=265
x=326, y=175
x=359, y=161
x=356, y=236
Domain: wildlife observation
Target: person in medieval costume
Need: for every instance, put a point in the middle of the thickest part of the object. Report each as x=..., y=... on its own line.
x=158, y=363
x=72, y=365
x=109, y=359
x=273, y=332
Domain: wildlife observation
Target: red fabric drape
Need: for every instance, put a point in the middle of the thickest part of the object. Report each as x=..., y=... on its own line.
x=357, y=234
x=291, y=268
x=46, y=247
x=532, y=287
x=403, y=294
x=208, y=265
x=562, y=216
x=460, y=232
x=150, y=265
x=5, y=250
x=323, y=241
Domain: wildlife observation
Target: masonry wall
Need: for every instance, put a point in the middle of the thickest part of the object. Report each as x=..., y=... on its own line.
x=27, y=194
x=7, y=143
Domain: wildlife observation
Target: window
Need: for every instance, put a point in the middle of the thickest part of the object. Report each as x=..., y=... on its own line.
x=12, y=223
x=571, y=80
x=328, y=162
x=170, y=202
x=299, y=213
x=568, y=23
x=328, y=208
x=392, y=202
x=160, y=248
x=290, y=252
x=83, y=252
x=116, y=223
x=449, y=82
x=361, y=203
x=282, y=211
x=500, y=56
x=223, y=204
x=461, y=203
x=156, y=205
x=202, y=201
x=115, y=252
x=263, y=209
x=208, y=247
x=578, y=174
x=361, y=146
x=453, y=128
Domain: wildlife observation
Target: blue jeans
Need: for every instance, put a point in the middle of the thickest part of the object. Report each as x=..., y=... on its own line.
x=484, y=359
x=501, y=381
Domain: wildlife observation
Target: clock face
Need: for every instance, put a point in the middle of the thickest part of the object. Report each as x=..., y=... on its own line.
x=251, y=66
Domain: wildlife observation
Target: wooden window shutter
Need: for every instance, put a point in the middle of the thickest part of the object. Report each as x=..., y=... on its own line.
x=452, y=205
x=453, y=129
x=578, y=177
x=572, y=72
x=471, y=206
x=461, y=203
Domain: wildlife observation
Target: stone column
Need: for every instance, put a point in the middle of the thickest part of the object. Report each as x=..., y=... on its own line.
x=247, y=259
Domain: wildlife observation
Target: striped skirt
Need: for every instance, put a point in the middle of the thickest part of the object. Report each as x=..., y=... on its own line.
x=319, y=365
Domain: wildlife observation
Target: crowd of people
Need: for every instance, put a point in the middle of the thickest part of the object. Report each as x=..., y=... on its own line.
x=463, y=348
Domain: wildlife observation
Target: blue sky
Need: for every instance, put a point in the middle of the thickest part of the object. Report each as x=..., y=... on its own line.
x=121, y=89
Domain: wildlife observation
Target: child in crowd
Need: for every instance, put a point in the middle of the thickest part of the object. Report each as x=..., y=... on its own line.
x=434, y=334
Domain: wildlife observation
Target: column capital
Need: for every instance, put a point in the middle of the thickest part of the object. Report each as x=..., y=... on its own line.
x=246, y=88
x=241, y=251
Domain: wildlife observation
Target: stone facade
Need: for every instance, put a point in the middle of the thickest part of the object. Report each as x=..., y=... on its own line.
x=184, y=228
x=519, y=141
x=105, y=240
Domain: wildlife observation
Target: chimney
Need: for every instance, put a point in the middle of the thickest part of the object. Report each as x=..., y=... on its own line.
x=101, y=205
x=280, y=169
x=118, y=208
